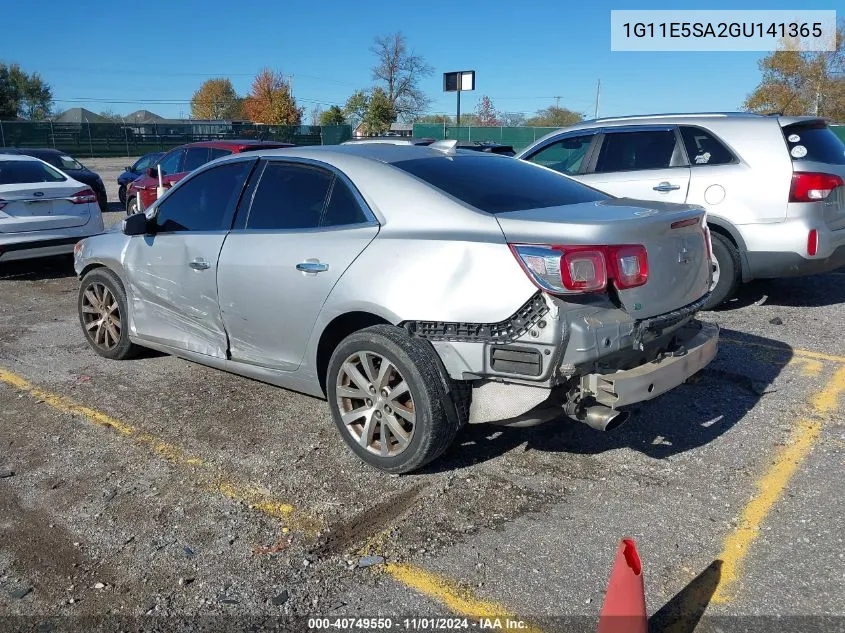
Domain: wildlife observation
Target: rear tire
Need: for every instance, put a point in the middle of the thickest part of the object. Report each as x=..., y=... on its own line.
x=394, y=433
x=103, y=315
x=132, y=205
x=729, y=269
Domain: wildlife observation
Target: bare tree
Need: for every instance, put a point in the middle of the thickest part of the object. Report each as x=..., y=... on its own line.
x=401, y=71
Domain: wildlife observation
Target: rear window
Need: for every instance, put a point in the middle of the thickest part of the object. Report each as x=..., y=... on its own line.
x=499, y=185
x=26, y=171
x=67, y=162
x=814, y=142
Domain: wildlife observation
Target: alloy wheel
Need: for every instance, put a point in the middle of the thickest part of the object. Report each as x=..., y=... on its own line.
x=101, y=316
x=375, y=403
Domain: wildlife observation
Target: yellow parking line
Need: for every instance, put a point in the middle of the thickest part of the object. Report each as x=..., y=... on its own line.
x=772, y=484
x=457, y=599
x=209, y=477
x=786, y=349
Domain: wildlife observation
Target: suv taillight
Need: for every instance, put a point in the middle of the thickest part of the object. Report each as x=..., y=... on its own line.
x=582, y=269
x=83, y=197
x=812, y=186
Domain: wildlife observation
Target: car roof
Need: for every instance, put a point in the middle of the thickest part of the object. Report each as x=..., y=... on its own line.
x=380, y=152
x=33, y=151
x=11, y=156
x=235, y=144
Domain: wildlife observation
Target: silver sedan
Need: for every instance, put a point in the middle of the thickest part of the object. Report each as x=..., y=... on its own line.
x=416, y=288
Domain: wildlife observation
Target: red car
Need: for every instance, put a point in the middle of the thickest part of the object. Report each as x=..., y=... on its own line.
x=180, y=161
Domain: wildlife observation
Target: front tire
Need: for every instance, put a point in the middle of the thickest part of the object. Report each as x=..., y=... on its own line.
x=121, y=195
x=726, y=272
x=388, y=396
x=103, y=315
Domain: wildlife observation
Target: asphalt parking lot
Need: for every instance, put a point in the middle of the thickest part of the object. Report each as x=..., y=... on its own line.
x=160, y=487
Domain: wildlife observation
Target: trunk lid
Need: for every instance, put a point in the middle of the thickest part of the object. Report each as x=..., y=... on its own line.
x=41, y=206
x=679, y=268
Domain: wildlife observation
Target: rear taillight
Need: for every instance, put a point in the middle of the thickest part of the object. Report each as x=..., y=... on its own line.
x=83, y=197
x=583, y=269
x=812, y=186
x=812, y=242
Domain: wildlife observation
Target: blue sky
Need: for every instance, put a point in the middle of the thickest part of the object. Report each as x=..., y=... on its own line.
x=525, y=53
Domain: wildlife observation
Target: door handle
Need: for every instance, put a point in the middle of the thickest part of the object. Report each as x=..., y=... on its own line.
x=667, y=186
x=199, y=264
x=312, y=267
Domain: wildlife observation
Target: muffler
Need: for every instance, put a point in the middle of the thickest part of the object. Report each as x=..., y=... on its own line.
x=596, y=416
x=603, y=418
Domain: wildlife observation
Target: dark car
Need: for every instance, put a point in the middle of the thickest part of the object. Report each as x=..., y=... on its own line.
x=180, y=161
x=67, y=164
x=135, y=171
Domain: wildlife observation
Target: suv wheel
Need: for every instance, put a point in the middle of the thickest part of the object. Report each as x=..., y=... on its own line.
x=726, y=271
x=103, y=315
x=388, y=396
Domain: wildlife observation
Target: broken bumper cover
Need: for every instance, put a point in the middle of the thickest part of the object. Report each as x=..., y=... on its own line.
x=652, y=379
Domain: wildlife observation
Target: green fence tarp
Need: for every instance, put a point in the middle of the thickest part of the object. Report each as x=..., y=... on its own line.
x=118, y=139
x=517, y=137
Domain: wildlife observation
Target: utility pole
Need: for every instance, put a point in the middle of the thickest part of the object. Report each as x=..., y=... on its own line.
x=557, y=102
x=598, y=95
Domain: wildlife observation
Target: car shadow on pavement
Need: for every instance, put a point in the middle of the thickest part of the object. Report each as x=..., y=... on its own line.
x=43, y=268
x=688, y=417
x=798, y=292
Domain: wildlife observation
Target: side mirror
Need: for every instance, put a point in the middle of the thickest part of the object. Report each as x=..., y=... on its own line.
x=151, y=172
x=135, y=224
x=128, y=168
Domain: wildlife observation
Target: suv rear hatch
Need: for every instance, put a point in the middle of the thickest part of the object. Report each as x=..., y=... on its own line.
x=564, y=240
x=818, y=163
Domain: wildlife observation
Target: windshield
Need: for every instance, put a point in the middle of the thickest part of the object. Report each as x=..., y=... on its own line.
x=499, y=185
x=27, y=171
x=66, y=162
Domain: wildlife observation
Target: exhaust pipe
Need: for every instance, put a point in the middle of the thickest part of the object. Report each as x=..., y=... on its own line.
x=604, y=418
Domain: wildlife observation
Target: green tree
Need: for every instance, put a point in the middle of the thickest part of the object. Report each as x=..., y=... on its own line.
x=356, y=107
x=435, y=118
x=24, y=95
x=332, y=116
x=379, y=114
x=215, y=99
x=554, y=116
x=799, y=82
x=512, y=119
x=400, y=70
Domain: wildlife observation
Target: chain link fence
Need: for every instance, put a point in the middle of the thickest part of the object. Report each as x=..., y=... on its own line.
x=119, y=139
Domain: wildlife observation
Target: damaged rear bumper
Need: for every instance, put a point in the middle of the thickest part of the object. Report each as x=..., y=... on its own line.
x=650, y=380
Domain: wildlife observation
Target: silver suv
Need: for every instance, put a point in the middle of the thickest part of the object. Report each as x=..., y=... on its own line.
x=772, y=185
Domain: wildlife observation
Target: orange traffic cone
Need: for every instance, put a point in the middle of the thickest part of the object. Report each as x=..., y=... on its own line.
x=624, y=610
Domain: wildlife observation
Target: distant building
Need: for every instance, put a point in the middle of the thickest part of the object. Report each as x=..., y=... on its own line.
x=80, y=115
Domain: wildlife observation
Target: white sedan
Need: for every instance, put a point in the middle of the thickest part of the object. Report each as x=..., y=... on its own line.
x=43, y=211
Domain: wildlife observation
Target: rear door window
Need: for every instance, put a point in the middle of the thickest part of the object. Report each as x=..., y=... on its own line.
x=217, y=152
x=204, y=202
x=289, y=196
x=638, y=150
x=565, y=155
x=195, y=157
x=343, y=207
x=703, y=148
x=814, y=142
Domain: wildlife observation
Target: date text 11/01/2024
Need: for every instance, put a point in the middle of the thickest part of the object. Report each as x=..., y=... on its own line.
x=722, y=29
x=416, y=624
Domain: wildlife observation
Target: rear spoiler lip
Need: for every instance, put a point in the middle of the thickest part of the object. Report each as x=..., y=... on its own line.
x=786, y=121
